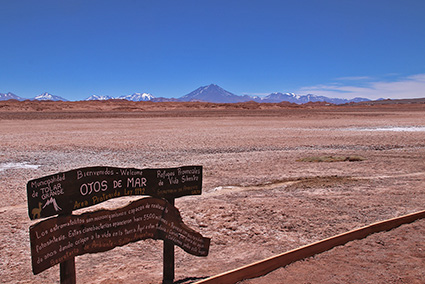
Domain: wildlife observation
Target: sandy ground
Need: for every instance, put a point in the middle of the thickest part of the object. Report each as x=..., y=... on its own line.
x=259, y=198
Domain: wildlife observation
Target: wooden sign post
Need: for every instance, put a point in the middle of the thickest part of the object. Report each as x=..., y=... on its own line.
x=60, y=239
x=168, y=258
x=67, y=272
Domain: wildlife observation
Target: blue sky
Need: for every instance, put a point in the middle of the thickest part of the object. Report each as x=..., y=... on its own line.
x=337, y=48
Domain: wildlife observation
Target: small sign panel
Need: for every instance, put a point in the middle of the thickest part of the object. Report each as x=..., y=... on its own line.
x=64, y=192
x=61, y=238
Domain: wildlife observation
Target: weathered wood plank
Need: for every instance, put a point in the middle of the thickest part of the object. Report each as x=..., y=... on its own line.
x=265, y=266
x=61, y=238
x=64, y=192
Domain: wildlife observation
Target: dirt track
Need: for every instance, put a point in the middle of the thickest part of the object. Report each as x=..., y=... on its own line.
x=259, y=198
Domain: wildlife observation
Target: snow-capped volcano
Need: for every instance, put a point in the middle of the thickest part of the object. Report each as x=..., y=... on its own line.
x=215, y=94
x=137, y=97
x=10, y=96
x=48, y=97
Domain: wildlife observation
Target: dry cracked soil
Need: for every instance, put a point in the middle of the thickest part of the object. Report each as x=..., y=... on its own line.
x=276, y=177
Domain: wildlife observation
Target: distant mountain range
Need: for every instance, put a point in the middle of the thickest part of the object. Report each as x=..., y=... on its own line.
x=136, y=97
x=42, y=97
x=211, y=93
x=48, y=97
x=98, y=98
x=302, y=99
x=215, y=94
x=9, y=96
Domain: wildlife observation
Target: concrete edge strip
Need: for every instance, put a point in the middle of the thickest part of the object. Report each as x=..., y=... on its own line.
x=267, y=265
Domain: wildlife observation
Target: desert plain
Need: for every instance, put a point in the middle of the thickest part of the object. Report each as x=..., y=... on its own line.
x=276, y=177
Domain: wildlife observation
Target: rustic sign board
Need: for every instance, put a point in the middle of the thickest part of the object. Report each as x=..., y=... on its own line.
x=64, y=192
x=61, y=238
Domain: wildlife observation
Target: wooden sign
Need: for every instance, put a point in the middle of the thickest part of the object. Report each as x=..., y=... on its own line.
x=62, y=193
x=61, y=238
